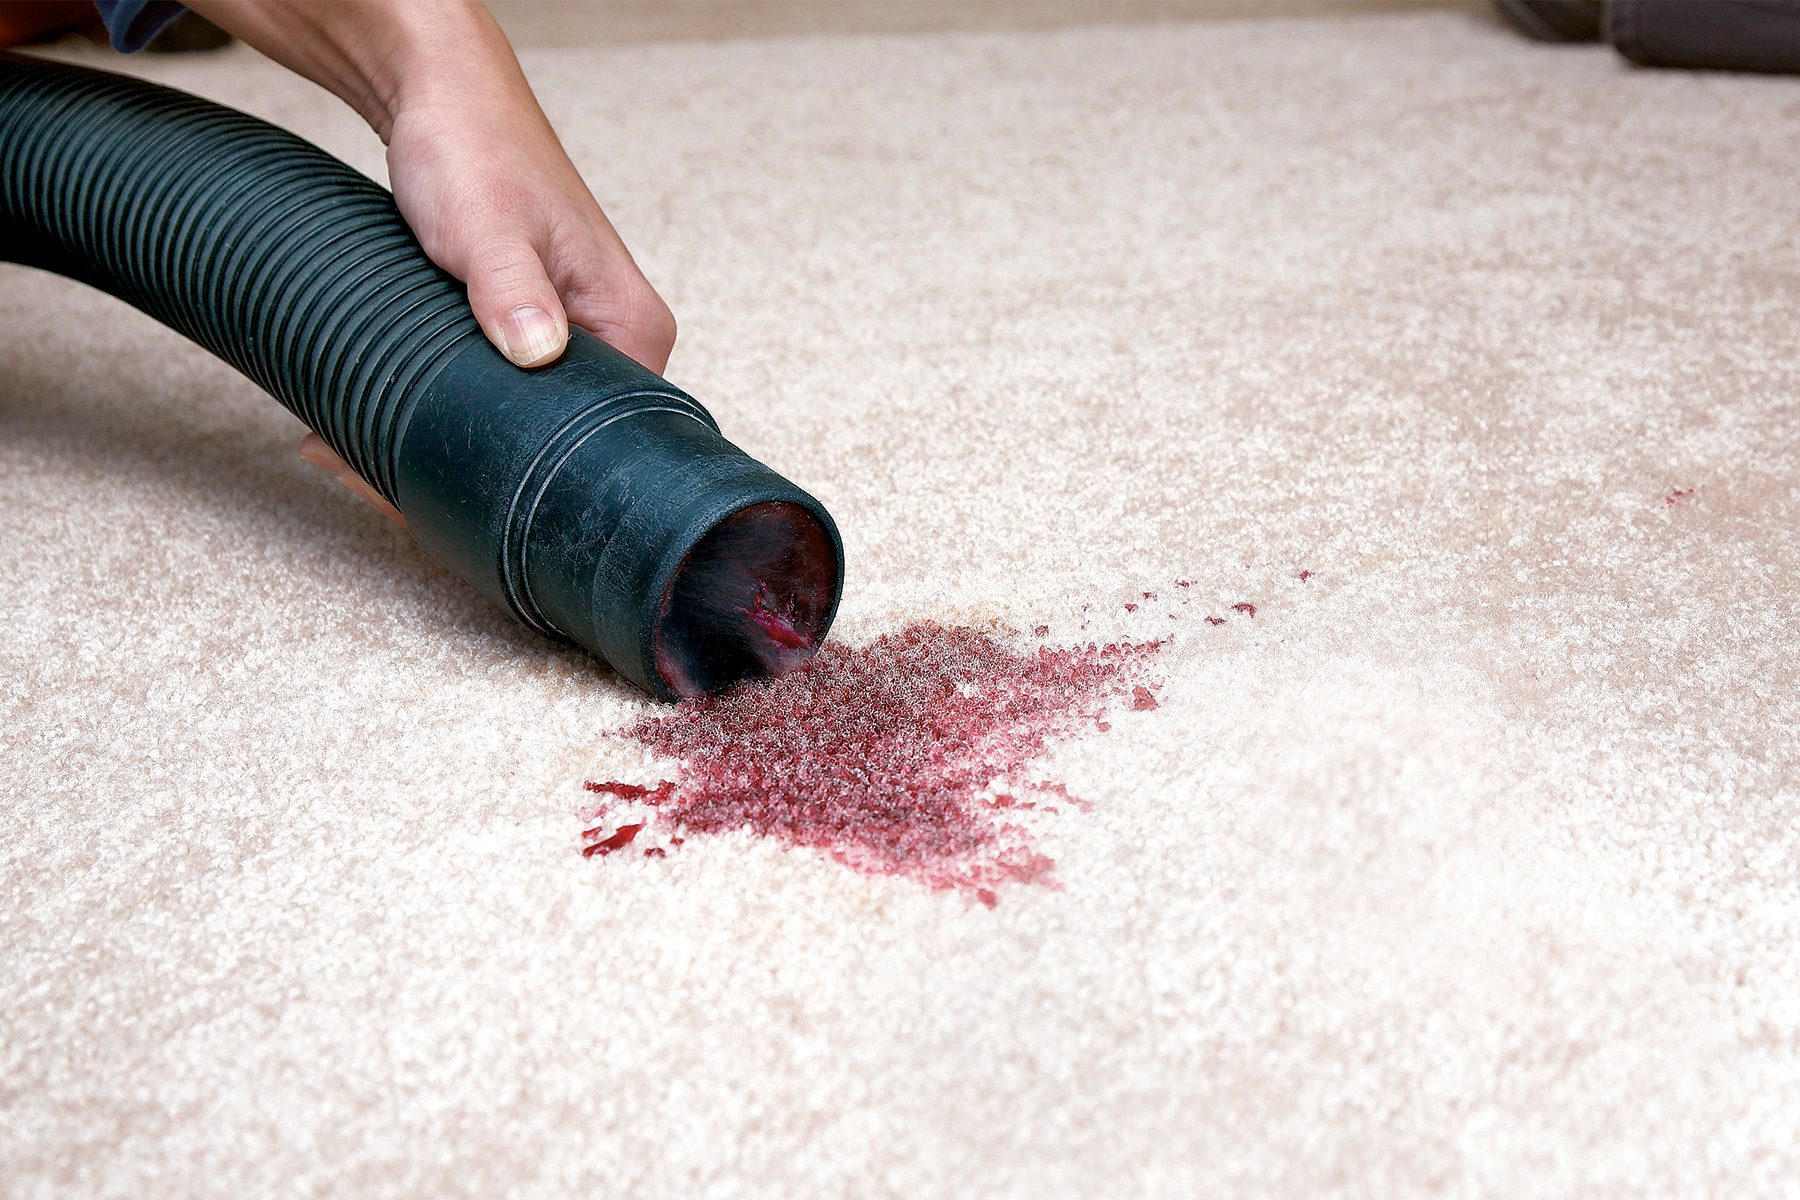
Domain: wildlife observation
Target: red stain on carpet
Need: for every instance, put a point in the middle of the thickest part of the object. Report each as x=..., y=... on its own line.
x=905, y=757
x=619, y=839
x=1249, y=610
x=1677, y=495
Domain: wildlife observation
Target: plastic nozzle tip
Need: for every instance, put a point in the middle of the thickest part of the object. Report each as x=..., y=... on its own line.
x=752, y=598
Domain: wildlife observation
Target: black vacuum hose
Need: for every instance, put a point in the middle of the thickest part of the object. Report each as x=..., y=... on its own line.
x=591, y=498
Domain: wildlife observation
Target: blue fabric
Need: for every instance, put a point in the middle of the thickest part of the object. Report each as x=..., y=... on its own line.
x=130, y=24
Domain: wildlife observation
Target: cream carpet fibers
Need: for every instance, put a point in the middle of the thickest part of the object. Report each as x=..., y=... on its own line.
x=1467, y=865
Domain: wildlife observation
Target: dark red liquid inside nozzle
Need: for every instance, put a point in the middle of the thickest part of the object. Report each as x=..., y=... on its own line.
x=779, y=626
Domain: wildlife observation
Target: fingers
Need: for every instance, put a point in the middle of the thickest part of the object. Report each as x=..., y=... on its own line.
x=608, y=296
x=313, y=450
x=516, y=303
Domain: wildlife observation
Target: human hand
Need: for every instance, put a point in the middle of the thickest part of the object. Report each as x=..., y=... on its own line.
x=476, y=170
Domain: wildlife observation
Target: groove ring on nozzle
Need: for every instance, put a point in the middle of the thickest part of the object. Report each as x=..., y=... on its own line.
x=564, y=443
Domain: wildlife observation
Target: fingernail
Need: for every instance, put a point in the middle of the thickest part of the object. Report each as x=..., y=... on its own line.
x=531, y=335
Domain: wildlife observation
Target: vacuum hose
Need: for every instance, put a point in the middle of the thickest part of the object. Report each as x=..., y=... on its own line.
x=592, y=499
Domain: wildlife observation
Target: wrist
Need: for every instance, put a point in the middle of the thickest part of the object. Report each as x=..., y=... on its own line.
x=432, y=56
x=379, y=56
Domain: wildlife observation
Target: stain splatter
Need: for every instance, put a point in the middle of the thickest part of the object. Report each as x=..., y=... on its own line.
x=1304, y=576
x=1215, y=620
x=891, y=758
x=629, y=791
x=1141, y=699
x=617, y=840
x=1249, y=610
x=1677, y=495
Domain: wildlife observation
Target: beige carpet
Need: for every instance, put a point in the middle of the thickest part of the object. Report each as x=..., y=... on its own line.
x=1467, y=866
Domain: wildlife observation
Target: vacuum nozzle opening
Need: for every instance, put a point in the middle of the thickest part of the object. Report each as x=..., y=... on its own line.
x=753, y=597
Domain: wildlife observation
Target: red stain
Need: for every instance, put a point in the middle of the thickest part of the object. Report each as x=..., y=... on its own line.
x=1215, y=620
x=629, y=791
x=1141, y=699
x=1677, y=495
x=1249, y=610
x=1042, y=631
x=656, y=852
x=777, y=624
x=1305, y=575
x=885, y=757
x=621, y=838
x=1131, y=608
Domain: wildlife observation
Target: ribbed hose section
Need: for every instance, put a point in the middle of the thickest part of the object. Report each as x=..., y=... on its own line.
x=259, y=246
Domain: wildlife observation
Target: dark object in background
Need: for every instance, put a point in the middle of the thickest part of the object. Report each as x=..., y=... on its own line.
x=592, y=499
x=1720, y=35
x=189, y=31
x=1554, y=20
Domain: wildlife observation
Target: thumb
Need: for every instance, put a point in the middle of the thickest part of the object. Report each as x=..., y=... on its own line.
x=516, y=303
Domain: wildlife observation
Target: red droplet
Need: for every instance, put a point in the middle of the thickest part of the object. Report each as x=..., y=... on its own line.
x=1215, y=620
x=884, y=757
x=1042, y=631
x=1305, y=575
x=631, y=791
x=620, y=838
x=1141, y=699
x=1131, y=608
x=986, y=896
x=656, y=852
x=1249, y=610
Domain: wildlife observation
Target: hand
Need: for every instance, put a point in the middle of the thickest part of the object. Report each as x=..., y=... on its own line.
x=476, y=170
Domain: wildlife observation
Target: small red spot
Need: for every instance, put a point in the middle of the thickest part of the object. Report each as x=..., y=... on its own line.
x=621, y=838
x=632, y=791
x=1102, y=726
x=1305, y=575
x=1131, y=608
x=1184, y=583
x=1149, y=595
x=1215, y=620
x=656, y=852
x=986, y=896
x=1677, y=495
x=1042, y=631
x=1062, y=789
x=1141, y=699
x=1249, y=610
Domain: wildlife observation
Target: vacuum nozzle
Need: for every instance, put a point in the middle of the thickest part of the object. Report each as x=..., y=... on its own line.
x=600, y=503
x=591, y=498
